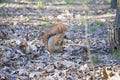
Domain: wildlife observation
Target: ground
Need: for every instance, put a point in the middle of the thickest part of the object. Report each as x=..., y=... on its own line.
x=24, y=57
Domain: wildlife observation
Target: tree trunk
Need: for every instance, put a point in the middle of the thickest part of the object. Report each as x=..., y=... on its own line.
x=114, y=4
x=115, y=30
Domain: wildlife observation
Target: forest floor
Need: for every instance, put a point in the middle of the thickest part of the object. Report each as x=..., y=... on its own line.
x=24, y=57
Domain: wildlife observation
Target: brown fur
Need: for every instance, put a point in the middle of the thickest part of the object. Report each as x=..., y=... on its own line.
x=57, y=28
x=55, y=43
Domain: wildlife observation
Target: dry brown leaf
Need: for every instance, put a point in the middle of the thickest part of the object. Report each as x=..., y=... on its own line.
x=104, y=72
x=1, y=53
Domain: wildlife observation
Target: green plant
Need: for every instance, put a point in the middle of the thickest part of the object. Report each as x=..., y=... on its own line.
x=92, y=29
x=40, y=4
x=3, y=2
x=69, y=1
x=75, y=25
x=86, y=1
x=28, y=0
x=82, y=21
x=116, y=54
x=100, y=23
x=96, y=58
x=46, y=23
x=108, y=1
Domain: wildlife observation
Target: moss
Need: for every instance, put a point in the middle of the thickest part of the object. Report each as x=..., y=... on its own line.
x=108, y=1
x=100, y=23
x=96, y=59
x=92, y=29
x=116, y=54
x=40, y=4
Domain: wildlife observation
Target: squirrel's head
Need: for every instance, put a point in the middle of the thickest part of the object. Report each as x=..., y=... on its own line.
x=59, y=39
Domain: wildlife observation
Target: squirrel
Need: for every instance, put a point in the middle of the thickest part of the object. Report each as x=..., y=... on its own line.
x=57, y=28
x=55, y=43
